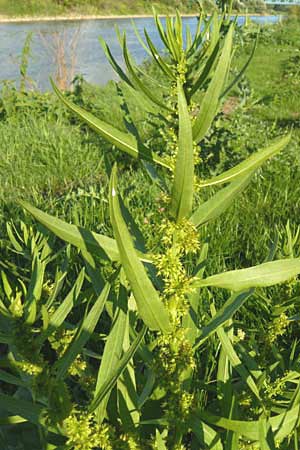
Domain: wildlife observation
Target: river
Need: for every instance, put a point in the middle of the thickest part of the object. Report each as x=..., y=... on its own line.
x=80, y=46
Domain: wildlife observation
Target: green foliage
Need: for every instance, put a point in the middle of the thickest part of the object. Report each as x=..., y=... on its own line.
x=102, y=7
x=80, y=370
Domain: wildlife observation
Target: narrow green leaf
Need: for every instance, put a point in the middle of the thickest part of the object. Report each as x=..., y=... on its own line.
x=148, y=388
x=263, y=275
x=123, y=141
x=206, y=71
x=176, y=50
x=161, y=31
x=250, y=164
x=158, y=59
x=236, y=362
x=200, y=35
x=127, y=393
x=183, y=186
x=266, y=437
x=151, y=308
x=178, y=29
x=84, y=334
x=138, y=83
x=12, y=420
x=112, y=351
x=28, y=410
x=139, y=37
x=159, y=442
x=81, y=238
x=5, y=339
x=11, y=379
x=34, y=290
x=59, y=315
x=242, y=71
x=110, y=383
x=205, y=434
x=282, y=425
x=230, y=307
x=216, y=205
x=117, y=68
x=211, y=101
x=188, y=38
x=6, y=286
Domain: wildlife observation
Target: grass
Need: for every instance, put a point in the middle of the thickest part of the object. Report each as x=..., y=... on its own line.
x=80, y=7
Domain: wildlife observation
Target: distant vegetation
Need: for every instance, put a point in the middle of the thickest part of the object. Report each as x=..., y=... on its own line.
x=39, y=7
x=105, y=7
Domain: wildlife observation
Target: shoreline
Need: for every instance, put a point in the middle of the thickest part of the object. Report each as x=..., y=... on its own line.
x=62, y=18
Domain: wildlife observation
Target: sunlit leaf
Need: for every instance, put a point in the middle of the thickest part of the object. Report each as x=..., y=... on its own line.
x=150, y=306
x=250, y=164
x=211, y=101
x=123, y=141
x=183, y=188
x=263, y=275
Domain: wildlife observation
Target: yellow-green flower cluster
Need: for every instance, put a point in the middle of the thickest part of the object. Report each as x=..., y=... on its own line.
x=83, y=433
x=31, y=368
x=174, y=358
x=272, y=389
x=183, y=235
x=129, y=441
x=278, y=327
x=59, y=342
x=178, y=240
x=29, y=360
x=182, y=69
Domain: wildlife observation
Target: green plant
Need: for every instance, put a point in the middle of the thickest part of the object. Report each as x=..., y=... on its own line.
x=148, y=302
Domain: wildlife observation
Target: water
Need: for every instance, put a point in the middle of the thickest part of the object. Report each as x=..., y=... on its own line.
x=90, y=61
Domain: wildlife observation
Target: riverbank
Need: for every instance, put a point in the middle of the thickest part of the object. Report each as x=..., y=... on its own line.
x=75, y=17
x=7, y=19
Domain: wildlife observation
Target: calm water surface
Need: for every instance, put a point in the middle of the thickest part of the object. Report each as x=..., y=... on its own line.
x=90, y=60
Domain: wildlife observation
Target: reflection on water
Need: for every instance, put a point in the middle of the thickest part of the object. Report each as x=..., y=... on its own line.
x=90, y=60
